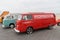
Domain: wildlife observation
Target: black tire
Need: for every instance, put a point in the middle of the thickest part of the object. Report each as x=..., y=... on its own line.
x=50, y=27
x=58, y=24
x=29, y=30
x=11, y=25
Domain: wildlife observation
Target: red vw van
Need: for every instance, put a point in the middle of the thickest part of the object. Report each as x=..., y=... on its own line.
x=33, y=21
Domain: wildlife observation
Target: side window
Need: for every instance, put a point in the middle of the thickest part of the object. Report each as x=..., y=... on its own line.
x=27, y=17
x=24, y=17
x=15, y=16
x=12, y=17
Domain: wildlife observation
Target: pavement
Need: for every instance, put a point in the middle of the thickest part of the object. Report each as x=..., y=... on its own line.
x=45, y=34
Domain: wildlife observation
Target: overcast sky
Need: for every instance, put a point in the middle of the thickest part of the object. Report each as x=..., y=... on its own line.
x=18, y=6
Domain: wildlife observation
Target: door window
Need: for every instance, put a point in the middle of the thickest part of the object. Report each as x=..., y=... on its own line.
x=27, y=17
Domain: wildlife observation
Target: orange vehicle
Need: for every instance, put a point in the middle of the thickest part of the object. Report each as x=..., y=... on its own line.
x=2, y=16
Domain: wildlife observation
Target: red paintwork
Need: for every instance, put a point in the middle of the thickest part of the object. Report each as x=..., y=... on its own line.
x=22, y=25
x=58, y=20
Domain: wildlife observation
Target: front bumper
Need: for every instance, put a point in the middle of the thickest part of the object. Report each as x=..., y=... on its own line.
x=3, y=26
x=16, y=30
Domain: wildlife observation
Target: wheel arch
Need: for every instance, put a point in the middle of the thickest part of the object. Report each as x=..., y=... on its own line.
x=11, y=24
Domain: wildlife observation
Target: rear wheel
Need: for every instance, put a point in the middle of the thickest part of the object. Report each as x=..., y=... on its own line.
x=58, y=24
x=29, y=30
x=50, y=27
x=11, y=25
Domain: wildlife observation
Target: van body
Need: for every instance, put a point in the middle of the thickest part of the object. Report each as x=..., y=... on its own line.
x=34, y=21
x=10, y=20
x=3, y=15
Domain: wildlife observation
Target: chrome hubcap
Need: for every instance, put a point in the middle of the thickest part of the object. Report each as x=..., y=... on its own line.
x=12, y=26
x=30, y=30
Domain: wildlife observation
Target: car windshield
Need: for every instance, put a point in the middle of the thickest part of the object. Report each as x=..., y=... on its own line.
x=7, y=17
x=19, y=17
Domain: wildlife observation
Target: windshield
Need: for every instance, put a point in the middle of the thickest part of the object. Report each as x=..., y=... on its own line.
x=19, y=17
x=7, y=17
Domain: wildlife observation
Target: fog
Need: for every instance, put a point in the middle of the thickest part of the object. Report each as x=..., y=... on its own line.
x=19, y=6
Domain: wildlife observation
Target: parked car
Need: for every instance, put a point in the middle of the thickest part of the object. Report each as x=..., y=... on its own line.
x=10, y=20
x=58, y=22
x=33, y=21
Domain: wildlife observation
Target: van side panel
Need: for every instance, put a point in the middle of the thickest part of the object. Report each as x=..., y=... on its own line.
x=43, y=20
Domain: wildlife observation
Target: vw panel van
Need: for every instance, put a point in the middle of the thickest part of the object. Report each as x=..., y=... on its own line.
x=33, y=21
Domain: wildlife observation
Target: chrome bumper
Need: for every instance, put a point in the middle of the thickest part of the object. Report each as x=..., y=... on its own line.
x=3, y=26
x=16, y=30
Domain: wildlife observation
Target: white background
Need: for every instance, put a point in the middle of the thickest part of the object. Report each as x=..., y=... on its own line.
x=18, y=6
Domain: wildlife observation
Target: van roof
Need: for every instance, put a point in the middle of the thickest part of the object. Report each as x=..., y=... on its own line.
x=37, y=13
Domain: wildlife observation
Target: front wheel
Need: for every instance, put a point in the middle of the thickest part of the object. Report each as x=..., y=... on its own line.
x=12, y=25
x=29, y=30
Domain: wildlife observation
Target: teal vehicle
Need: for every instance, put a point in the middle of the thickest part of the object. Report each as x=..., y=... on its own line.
x=10, y=20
